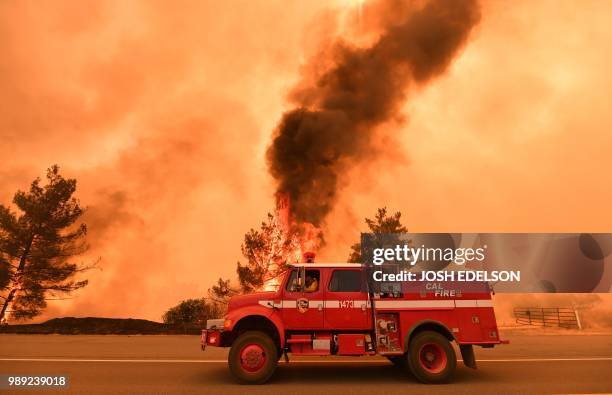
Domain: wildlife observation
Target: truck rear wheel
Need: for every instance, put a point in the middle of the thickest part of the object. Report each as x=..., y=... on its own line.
x=431, y=358
x=253, y=358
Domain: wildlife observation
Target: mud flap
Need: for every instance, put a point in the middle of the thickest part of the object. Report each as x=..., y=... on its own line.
x=467, y=353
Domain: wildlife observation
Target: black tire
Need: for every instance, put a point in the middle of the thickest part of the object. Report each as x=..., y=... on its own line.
x=253, y=358
x=431, y=358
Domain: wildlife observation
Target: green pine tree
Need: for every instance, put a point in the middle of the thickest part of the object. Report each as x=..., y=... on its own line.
x=382, y=223
x=36, y=246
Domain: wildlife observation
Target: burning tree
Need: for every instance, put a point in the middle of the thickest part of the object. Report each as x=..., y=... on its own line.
x=267, y=251
x=36, y=246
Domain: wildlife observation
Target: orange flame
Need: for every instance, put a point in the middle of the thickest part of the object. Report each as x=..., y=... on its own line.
x=301, y=237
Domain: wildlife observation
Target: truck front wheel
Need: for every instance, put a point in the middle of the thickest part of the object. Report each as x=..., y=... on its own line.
x=431, y=358
x=252, y=358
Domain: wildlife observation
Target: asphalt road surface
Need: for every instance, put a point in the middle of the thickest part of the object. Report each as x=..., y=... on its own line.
x=175, y=365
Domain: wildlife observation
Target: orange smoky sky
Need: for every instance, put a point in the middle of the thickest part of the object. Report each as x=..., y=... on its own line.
x=163, y=112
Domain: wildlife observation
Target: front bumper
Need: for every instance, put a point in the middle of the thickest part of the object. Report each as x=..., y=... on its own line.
x=210, y=337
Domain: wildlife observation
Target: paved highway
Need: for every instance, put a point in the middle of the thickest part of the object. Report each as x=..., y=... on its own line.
x=174, y=364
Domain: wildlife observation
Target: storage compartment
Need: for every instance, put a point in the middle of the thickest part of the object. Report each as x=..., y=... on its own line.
x=351, y=344
x=309, y=345
x=388, y=334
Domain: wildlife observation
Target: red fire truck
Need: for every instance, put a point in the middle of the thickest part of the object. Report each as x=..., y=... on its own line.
x=331, y=309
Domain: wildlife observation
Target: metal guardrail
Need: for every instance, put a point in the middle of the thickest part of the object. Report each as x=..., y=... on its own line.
x=562, y=317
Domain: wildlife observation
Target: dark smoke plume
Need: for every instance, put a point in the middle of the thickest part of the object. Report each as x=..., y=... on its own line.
x=335, y=118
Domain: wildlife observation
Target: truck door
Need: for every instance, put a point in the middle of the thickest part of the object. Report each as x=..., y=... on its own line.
x=347, y=304
x=303, y=299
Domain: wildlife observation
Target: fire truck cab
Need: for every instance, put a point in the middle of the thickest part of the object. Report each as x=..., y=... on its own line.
x=331, y=309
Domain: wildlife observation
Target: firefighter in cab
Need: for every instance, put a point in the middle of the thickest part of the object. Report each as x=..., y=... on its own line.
x=312, y=285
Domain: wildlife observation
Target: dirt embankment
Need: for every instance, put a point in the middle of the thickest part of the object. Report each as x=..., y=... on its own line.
x=99, y=326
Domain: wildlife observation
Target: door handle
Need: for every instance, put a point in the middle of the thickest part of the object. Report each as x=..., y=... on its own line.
x=320, y=307
x=363, y=307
